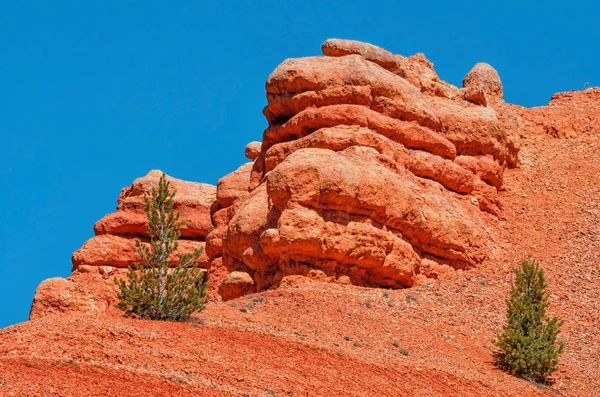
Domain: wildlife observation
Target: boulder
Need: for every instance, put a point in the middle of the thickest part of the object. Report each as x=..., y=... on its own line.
x=485, y=77
x=358, y=182
x=235, y=284
x=90, y=288
x=370, y=167
x=234, y=186
x=88, y=292
x=253, y=150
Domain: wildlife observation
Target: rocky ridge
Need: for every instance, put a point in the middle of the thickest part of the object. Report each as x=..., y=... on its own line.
x=568, y=115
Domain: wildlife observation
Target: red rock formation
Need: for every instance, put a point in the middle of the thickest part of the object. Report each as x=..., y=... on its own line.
x=117, y=251
x=232, y=189
x=235, y=284
x=372, y=171
x=91, y=287
x=253, y=150
x=193, y=201
x=370, y=167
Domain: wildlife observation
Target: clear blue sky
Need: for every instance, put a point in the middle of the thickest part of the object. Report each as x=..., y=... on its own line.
x=95, y=94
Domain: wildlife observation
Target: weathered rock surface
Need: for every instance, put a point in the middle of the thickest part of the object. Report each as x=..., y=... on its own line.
x=91, y=288
x=110, y=250
x=193, y=201
x=232, y=190
x=484, y=78
x=568, y=115
x=253, y=150
x=372, y=171
x=234, y=186
x=235, y=284
x=57, y=295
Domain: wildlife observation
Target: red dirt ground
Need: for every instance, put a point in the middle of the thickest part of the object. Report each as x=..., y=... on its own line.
x=317, y=339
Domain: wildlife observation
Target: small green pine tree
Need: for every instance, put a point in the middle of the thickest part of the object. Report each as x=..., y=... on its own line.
x=527, y=345
x=152, y=289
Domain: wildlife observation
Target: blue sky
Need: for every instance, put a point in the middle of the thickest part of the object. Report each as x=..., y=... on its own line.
x=95, y=94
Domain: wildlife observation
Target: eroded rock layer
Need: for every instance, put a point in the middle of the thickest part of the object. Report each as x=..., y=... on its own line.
x=370, y=166
x=372, y=171
x=91, y=287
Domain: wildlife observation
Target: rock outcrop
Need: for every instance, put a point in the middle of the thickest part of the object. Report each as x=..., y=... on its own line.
x=372, y=171
x=91, y=287
x=370, y=165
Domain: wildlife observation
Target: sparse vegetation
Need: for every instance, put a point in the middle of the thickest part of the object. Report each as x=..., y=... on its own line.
x=177, y=379
x=404, y=352
x=527, y=345
x=480, y=280
x=410, y=298
x=63, y=363
x=152, y=289
x=73, y=364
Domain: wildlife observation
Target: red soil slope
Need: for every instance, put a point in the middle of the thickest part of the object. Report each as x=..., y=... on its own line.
x=317, y=339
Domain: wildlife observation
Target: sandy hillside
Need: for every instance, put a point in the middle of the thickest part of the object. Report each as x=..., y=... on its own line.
x=317, y=339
